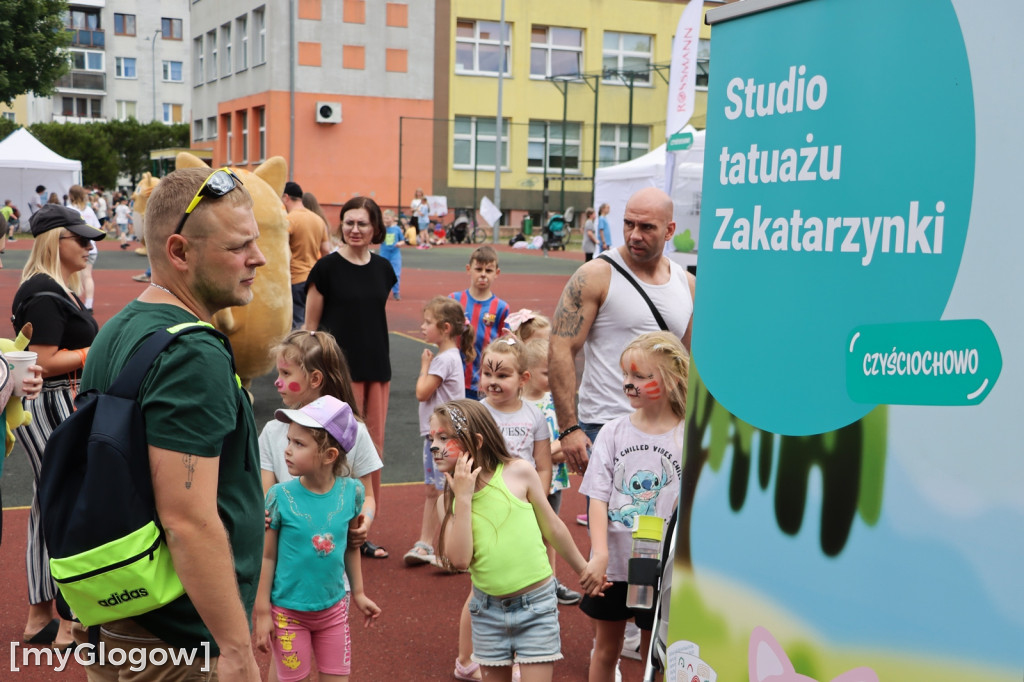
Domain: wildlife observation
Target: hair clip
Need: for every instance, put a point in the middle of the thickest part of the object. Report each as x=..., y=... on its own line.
x=458, y=419
x=517, y=319
x=466, y=320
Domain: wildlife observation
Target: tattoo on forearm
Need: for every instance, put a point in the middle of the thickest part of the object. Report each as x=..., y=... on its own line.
x=569, y=313
x=190, y=469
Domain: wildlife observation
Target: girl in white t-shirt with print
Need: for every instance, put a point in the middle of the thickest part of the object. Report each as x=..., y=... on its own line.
x=441, y=378
x=634, y=470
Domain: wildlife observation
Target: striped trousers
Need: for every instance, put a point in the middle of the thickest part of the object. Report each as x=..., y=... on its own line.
x=54, y=404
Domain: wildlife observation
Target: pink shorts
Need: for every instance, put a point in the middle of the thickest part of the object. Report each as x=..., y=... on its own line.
x=299, y=635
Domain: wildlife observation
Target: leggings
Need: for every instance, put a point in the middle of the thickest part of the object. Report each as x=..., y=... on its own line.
x=54, y=404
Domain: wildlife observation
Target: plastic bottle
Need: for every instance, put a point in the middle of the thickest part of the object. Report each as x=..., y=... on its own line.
x=645, y=562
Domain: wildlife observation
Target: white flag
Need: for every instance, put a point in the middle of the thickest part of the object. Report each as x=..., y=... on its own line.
x=489, y=212
x=683, y=74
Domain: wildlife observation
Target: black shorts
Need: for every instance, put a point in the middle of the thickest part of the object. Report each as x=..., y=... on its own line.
x=612, y=606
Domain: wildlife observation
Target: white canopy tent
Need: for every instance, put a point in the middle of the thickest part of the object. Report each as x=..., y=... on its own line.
x=615, y=184
x=25, y=163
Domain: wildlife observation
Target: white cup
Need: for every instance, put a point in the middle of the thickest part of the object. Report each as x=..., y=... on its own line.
x=19, y=362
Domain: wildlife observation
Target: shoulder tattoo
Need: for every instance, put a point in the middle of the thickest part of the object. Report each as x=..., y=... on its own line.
x=569, y=312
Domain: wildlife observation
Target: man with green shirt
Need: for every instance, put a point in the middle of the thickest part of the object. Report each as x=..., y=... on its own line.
x=199, y=425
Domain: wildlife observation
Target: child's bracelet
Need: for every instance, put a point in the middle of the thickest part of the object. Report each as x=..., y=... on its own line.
x=566, y=431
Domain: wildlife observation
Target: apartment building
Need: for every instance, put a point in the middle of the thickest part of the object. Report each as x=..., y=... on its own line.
x=128, y=59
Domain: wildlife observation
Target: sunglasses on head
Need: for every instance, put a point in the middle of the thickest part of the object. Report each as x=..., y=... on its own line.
x=82, y=241
x=219, y=183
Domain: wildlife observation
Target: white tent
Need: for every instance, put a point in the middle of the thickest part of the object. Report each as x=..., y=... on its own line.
x=614, y=185
x=25, y=163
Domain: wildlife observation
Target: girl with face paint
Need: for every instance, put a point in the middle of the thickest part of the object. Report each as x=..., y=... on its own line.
x=311, y=365
x=495, y=519
x=634, y=470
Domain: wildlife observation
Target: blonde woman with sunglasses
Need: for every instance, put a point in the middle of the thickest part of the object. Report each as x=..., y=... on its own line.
x=62, y=332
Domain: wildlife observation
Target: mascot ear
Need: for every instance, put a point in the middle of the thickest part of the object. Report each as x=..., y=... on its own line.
x=186, y=160
x=617, y=482
x=667, y=471
x=274, y=171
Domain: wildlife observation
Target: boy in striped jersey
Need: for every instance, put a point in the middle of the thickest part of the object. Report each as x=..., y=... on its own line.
x=485, y=311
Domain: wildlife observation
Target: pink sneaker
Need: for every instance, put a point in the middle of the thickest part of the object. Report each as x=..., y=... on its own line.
x=582, y=520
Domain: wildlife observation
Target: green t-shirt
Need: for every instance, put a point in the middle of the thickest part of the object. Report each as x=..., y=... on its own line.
x=192, y=403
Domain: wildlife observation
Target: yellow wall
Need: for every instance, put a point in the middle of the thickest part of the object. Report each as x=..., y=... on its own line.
x=20, y=108
x=525, y=98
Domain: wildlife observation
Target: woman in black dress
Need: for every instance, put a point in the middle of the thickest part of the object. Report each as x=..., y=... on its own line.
x=62, y=331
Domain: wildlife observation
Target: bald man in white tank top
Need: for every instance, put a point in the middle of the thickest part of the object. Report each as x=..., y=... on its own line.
x=599, y=312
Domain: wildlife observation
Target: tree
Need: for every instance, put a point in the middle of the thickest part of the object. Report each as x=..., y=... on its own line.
x=133, y=141
x=7, y=126
x=851, y=461
x=89, y=143
x=31, y=51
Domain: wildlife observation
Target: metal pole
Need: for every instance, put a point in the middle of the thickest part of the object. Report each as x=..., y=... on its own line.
x=544, y=196
x=629, y=149
x=152, y=59
x=565, y=111
x=291, y=88
x=497, y=143
x=593, y=161
x=401, y=120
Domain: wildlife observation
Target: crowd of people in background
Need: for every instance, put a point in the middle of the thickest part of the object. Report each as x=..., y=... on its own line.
x=498, y=416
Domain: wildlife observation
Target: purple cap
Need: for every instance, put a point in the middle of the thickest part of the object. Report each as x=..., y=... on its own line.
x=329, y=413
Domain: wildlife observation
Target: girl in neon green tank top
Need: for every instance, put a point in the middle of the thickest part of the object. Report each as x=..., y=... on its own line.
x=494, y=519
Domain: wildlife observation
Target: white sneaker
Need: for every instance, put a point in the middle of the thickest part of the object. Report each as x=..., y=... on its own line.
x=618, y=673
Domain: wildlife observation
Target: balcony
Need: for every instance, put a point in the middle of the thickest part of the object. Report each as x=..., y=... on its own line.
x=84, y=37
x=78, y=119
x=94, y=81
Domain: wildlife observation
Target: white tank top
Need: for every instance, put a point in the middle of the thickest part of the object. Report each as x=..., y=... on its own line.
x=623, y=316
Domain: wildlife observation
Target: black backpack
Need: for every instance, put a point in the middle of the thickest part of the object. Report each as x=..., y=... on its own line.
x=107, y=550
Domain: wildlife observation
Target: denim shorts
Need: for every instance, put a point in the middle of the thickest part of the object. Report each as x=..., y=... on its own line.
x=431, y=476
x=521, y=629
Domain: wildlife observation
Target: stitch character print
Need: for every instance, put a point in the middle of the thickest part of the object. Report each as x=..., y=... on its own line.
x=642, y=488
x=769, y=663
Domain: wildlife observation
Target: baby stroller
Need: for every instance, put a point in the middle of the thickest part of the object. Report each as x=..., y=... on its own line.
x=556, y=232
x=458, y=231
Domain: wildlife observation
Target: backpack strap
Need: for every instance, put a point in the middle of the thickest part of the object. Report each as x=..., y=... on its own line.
x=50, y=294
x=128, y=382
x=629, y=278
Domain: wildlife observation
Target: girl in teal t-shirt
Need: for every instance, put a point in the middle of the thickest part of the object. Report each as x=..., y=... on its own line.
x=306, y=552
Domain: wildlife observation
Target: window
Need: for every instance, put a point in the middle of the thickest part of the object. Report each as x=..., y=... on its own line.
x=82, y=107
x=261, y=121
x=124, y=24
x=260, y=49
x=243, y=120
x=211, y=56
x=555, y=155
x=7, y=115
x=225, y=41
x=703, y=62
x=172, y=72
x=197, y=61
x=242, y=31
x=83, y=19
x=555, y=51
x=197, y=130
x=627, y=52
x=211, y=128
x=171, y=28
x=125, y=109
x=474, y=143
x=172, y=113
x=227, y=139
x=124, y=67
x=614, y=145
x=86, y=60
x=477, y=49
